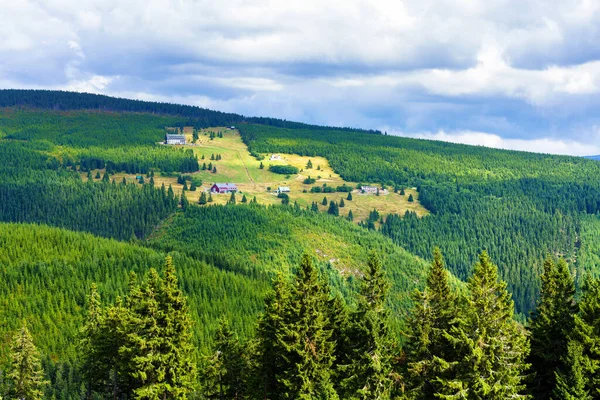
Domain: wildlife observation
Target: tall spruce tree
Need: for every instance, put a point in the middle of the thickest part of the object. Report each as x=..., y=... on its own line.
x=232, y=366
x=587, y=333
x=369, y=374
x=551, y=326
x=491, y=346
x=159, y=348
x=269, y=354
x=308, y=348
x=430, y=354
x=25, y=372
x=571, y=381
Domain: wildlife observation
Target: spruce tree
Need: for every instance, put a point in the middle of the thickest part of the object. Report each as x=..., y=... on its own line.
x=232, y=198
x=491, y=346
x=270, y=349
x=183, y=201
x=349, y=198
x=342, y=204
x=210, y=198
x=202, y=199
x=410, y=198
x=244, y=199
x=231, y=363
x=551, y=326
x=324, y=202
x=587, y=333
x=431, y=319
x=25, y=372
x=350, y=216
x=159, y=349
x=571, y=382
x=333, y=209
x=369, y=373
x=308, y=348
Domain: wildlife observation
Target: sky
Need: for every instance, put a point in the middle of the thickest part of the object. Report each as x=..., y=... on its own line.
x=516, y=74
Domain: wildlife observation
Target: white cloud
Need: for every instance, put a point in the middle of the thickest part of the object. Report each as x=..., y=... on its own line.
x=542, y=145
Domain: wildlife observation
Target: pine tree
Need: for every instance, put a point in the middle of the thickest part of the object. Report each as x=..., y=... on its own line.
x=210, y=198
x=193, y=186
x=97, y=175
x=491, y=345
x=410, y=198
x=261, y=166
x=431, y=319
x=309, y=350
x=185, y=186
x=314, y=207
x=402, y=192
x=342, y=204
x=105, y=177
x=25, y=372
x=350, y=216
x=232, y=198
x=551, y=325
x=244, y=199
x=349, y=197
x=202, y=199
x=214, y=170
x=324, y=202
x=369, y=373
x=309, y=164
x=571, y=384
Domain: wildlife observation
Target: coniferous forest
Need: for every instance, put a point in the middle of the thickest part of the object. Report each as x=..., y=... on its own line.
x=117, y=289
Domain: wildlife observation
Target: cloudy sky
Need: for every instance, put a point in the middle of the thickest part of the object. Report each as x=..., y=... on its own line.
x=520, y=74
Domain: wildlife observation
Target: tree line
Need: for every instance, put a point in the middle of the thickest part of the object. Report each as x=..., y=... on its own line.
x=310, y=343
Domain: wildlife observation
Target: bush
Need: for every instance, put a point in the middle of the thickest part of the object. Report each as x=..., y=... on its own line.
x=283, y=169
x=309, y=181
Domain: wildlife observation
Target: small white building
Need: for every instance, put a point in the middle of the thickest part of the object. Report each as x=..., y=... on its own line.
x=174, y=139
x=275, y=157
x=369, y=189
x=283, y=189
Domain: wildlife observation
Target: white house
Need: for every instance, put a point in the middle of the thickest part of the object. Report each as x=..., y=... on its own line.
x=275, y=157
x=283, y=189
x=174, y=139
x=369, y=189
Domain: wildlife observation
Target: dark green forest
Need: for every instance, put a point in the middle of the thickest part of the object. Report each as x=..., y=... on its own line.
x=323, y=307
x=518, y=206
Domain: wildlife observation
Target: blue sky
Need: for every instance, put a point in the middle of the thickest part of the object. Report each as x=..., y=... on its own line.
x=519, y=74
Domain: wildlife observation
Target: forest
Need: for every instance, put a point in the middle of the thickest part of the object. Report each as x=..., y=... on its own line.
x=99, y=275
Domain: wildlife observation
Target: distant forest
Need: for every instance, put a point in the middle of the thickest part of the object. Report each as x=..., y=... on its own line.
x=195, y=116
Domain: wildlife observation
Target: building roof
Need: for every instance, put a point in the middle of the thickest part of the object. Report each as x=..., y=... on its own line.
x=175, y=137
x=225, y=186
x=283, y=188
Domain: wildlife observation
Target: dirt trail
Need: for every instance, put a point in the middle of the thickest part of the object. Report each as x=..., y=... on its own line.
x=246, y=168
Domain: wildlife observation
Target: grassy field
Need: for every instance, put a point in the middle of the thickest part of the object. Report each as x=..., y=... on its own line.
x=238, y=166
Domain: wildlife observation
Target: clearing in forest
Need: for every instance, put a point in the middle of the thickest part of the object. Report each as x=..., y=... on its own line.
x=227, y=153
